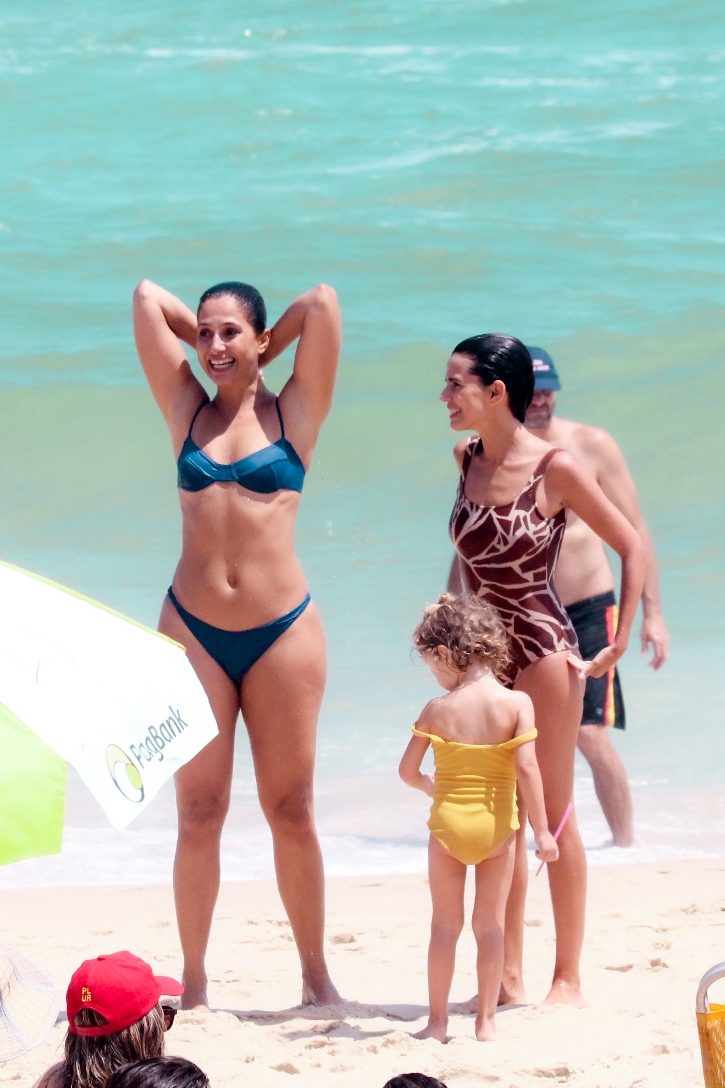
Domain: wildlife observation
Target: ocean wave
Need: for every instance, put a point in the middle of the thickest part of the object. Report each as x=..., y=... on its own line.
x=627, y=57
x=101, y=856
x=500, y=141
x=414, y=157
x=200, y=54
x=534, y=81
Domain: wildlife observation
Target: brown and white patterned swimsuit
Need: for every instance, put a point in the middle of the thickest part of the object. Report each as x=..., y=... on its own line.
x=509, y=554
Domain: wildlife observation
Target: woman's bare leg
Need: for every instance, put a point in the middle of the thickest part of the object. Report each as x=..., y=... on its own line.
x=493, y=880
x=557, y=692
x=447, y=878
x=280, y=697
x=202, y=797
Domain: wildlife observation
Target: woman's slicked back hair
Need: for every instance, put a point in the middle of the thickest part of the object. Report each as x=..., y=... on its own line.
x=496, y=356
x=247, y=296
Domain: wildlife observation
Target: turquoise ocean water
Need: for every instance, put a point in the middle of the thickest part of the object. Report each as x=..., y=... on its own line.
x=526, y=166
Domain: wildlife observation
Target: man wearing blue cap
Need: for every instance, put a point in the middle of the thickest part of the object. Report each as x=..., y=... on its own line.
x=585, y=584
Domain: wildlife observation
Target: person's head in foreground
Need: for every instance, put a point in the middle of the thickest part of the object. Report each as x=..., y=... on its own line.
x=455, y=632
x=546, y=386
x=489, y=379
x=164, y=1072
x=114, y=1017
x=414, y=1080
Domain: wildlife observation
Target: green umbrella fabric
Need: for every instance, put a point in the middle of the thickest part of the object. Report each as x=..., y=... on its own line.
x=32, y=793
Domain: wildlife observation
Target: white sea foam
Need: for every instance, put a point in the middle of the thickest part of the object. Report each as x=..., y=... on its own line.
x=368, y=826
x=414, y=157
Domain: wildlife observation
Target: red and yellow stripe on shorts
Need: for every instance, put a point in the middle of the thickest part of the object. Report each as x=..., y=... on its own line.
x=611, y=619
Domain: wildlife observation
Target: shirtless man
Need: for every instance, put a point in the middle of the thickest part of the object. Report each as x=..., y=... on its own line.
x=585, y=584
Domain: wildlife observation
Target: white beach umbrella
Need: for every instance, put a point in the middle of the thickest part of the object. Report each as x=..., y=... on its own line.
x=29, y=1003
x=114, y=698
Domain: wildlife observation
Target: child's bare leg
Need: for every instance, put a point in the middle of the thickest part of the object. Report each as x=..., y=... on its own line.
x=493, y=880
x=447, y=883
x=512, y=982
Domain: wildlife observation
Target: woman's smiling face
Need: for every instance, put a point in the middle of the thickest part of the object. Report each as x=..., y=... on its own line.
x=464, y=395
x=226, y=343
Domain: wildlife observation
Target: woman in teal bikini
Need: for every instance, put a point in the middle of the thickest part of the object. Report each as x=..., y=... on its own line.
x=239, y=601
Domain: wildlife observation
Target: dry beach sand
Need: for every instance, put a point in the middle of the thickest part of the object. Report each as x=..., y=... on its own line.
x=652, y=931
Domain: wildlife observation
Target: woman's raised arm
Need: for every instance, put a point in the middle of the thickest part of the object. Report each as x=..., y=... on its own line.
x=160, y=322
x=314, y=318
x=577, y=489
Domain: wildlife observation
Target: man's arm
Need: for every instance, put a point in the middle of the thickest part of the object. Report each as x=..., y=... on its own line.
x=615, y=481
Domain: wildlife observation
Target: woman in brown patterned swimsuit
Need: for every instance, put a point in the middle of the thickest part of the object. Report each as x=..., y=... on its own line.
x=506, y=526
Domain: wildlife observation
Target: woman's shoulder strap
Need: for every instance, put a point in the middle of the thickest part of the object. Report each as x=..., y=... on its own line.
x=544, y=463
x=468, y=453
x=279, y=413
x=196, y=413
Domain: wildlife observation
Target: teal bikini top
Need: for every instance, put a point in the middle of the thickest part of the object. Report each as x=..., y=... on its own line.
x=274, y=468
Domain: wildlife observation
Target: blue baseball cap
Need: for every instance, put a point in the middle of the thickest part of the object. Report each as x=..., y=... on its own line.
x=545, y=376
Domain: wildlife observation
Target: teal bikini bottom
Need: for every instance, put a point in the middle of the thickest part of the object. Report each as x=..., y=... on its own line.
x=237, y=651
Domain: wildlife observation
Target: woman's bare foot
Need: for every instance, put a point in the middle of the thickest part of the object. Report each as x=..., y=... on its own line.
x=512, y=989
x=320, y=992
x=466, y=1008
x=485, y=1030
x=194, y=997
x=510, y=993
x=565, y=993
x=432, y=1031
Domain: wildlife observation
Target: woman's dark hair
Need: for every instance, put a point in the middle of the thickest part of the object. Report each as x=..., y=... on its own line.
x=167, y=1072
x=90, y=1060
x=493, y=356
x=247, y=296
x=413, y=1080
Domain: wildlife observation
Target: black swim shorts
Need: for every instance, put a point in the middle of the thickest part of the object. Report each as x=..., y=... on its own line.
x=595, y=623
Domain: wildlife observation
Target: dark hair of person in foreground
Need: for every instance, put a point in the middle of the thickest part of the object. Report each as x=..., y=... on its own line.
x=413, y=1080
x=89, y=1062
x=165, y=1072
x=495, y=356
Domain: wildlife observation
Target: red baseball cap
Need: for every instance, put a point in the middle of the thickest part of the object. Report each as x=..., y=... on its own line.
x=120, y=987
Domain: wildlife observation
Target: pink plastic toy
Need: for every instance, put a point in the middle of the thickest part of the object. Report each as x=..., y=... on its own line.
x=560, y=828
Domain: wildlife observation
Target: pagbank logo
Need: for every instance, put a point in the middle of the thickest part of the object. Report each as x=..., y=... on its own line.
x=124, y=773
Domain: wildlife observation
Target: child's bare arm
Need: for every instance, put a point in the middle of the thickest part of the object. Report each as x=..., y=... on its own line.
x=409, y=768
x=530, y=786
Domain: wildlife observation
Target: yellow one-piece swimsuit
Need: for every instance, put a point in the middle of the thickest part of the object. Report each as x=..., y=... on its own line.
x=474, y=806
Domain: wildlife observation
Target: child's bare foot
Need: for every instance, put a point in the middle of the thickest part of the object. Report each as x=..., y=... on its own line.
x=485, y=1030
x=565, y=993
x=320, y=992
x=432, y=1031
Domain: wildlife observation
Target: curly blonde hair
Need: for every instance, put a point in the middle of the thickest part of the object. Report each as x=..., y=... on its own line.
x=468, y=628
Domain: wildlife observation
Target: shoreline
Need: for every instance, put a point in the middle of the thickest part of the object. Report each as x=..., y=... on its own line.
x=369, y=826
x=652, y=931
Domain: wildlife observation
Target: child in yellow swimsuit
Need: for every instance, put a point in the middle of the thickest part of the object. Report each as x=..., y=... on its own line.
x=482, y=735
